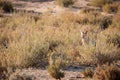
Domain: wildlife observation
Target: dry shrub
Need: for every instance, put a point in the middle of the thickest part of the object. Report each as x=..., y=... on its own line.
x=115, y=39
x=31, y=42
x=6, y=5
x=110, y=51
x=3, y=72
x=1, y=12
x=88, y=73
x=116, y=21
x=16, y=42
x=33, y=53
x=4, y=41
x=105, y=22
x=87, y=10
x=100, y=3
x=95, y=18
x=65, y=3
x=60, y=59
x=107, y=72
x=111, y=8
x=54, y=71
x=105, y=50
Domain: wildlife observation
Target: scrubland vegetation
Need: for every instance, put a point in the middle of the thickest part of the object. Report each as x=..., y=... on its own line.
x=65, y=3
x=6, y=6
x=109, y=6
x=33, y=40
x=106, y=72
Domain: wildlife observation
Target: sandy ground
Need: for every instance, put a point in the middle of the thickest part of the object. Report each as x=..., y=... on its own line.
x=47, y=6
x=38, y=74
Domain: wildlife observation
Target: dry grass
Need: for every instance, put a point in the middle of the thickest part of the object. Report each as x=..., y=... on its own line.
x=54, y=71
x=107, y=72
x=88, y=73
x=100, y=3
x=6, y=5
x=25, y=42
x=111, y=8
x=65, y=3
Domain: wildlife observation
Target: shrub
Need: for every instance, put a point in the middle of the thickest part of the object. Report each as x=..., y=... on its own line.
x=1, y=12
x=105, y=50
x=61, y=60
x=65, y=3
x=105, y=22
x=95, y=18
x=6, y=5
x=88, y=73
x=116, y=21
x=30, y=43
x=110, y=51
x=102, y=58
x=107, y=72
x=4, y=41
x=100, y=3
x=87, y=10
x=35, y=55
x=111, y=8
x=3, y=71
x=115, y=39
x=55, y=72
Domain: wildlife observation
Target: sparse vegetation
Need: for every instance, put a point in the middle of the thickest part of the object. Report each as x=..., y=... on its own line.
x=111, y=8
x=88, y=73
x=54, y=71
x=65, y=3
x=116, y=21
x=3, y=72
x=107, y=72
x=54, y=40
x=6, y=6
x=100, y=3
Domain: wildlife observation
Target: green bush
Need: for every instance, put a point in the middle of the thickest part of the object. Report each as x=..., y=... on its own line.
x=111, y=8
x=65, y=3
x=107, y=72
x=6, y=5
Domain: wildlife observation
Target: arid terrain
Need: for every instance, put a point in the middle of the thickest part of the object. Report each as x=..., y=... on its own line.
x=40, y=37
x=45, y=6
